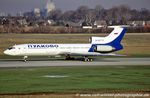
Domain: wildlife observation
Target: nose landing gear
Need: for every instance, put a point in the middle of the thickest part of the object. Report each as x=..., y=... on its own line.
x=25, y=58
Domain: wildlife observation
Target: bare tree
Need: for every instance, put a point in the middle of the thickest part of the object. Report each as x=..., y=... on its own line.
x=99, y=10
x=145, y=14
x=124, y=12
x=91, y=16
x=68, y=16
x=119, y=14
x=55, y=14
x=82, y=12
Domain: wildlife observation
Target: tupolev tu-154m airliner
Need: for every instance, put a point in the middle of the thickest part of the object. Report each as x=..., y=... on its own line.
x=98, y=46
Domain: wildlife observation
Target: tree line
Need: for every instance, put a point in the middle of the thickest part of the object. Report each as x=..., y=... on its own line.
x=117, y=14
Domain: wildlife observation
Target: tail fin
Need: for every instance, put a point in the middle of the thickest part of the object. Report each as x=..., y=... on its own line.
x=116, y=36
x=113, y=39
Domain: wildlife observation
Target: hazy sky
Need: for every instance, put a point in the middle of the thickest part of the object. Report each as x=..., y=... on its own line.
x=13, y=6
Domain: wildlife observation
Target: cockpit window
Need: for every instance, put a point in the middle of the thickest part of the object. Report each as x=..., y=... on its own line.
x=11, y=48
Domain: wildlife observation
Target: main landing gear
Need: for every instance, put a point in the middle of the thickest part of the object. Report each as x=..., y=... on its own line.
x=68, y=57
x=25, y=58
x=86, y=59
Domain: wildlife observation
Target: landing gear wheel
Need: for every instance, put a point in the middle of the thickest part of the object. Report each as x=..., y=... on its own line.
x=86, y=59
x=25, y=58
x=90, y=59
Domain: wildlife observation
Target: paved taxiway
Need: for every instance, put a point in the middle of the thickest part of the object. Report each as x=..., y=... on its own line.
x=97, y=62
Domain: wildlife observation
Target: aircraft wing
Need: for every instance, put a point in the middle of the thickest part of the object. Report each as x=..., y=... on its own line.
x=109, y=54
x=89, y=54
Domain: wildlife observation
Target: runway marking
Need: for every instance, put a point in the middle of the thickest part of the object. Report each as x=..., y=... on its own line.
x=55, y=76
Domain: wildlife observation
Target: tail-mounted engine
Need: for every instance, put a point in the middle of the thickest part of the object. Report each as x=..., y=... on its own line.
x=103, y=48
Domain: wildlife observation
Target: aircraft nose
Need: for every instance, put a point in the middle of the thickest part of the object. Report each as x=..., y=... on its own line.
x=9, y=52
x=6, y=52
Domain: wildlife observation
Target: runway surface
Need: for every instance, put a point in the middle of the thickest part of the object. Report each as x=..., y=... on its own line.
x=97, y=62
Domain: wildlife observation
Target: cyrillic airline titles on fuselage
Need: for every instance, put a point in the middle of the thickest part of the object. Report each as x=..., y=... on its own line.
x=40, y=46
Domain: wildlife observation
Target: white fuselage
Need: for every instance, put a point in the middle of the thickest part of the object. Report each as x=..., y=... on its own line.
x=48, y=49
